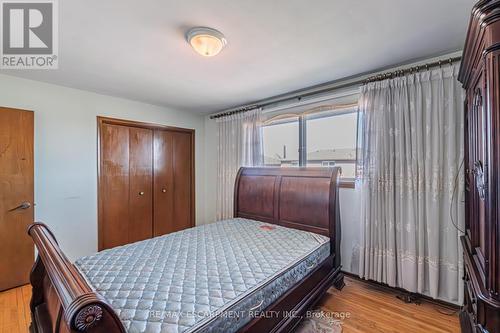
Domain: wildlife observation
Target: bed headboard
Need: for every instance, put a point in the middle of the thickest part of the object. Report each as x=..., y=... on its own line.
x=299, y=198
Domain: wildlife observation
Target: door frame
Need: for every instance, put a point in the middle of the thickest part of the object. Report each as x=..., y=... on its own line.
x=132, y=123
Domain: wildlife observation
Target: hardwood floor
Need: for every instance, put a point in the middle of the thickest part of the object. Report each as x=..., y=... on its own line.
x=374, y=309
x=370, y=309
x=15, y=310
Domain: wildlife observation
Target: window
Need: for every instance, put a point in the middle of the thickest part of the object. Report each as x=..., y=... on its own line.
x=328, y=139
x=331, y=141
x=281, y=143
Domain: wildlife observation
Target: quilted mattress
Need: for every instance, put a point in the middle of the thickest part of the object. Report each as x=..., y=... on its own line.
x=211, y=278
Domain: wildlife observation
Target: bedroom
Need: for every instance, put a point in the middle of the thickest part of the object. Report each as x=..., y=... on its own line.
x=264, y=166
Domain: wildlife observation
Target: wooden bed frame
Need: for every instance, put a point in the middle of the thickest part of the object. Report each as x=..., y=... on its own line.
x=300, y=198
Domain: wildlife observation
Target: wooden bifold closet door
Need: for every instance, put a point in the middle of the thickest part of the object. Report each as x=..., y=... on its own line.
x=146, y=181
x=172, y=181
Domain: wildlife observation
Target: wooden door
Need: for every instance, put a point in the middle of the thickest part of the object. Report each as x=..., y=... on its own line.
x=114, y=185
x=183, y=181
x=146, y=181
x=125, y=185
x=478, y=166
x=173, y=181
x=163, y=183
x=16, y=196
x=141, y=184
x=492, y=178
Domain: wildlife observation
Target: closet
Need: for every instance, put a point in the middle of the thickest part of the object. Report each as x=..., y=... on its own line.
x=146, y=181
x=480, y=76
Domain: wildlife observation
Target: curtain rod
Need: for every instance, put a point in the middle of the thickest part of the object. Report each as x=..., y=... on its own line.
x=327, y=87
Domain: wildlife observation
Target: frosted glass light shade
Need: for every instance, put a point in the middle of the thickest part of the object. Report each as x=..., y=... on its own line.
x=206, y=41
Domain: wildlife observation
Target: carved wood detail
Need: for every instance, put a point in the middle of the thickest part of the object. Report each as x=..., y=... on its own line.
x=82, y=309
x=88, y=317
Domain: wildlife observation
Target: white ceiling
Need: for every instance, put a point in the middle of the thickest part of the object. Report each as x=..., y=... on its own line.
x=136, y=49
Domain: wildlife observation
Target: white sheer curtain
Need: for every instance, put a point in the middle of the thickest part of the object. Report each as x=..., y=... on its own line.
x=240, y=144
x=412, y=148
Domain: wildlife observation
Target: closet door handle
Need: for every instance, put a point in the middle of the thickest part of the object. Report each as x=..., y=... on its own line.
x=164, y=190
x=141, y=193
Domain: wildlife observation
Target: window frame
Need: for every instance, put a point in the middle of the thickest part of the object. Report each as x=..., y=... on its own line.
x=302, y=125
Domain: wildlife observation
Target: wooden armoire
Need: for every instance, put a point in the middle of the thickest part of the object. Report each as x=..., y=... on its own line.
x=480, y=75
x=146, y=181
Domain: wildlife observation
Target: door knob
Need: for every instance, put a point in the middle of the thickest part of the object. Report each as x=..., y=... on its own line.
x=141, y=193
x=24, y=205
x=164, y=190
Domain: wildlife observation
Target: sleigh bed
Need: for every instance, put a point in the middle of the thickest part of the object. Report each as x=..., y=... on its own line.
x=258, y=272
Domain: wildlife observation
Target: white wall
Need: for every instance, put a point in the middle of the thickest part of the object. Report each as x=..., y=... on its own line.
x=350, y=219
x=66, y=153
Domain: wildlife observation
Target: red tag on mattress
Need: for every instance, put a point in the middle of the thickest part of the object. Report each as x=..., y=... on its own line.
x=267, y=227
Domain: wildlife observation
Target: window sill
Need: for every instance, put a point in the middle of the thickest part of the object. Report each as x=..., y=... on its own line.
x=347, y=183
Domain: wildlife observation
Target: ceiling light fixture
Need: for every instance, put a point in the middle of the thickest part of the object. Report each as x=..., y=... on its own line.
x=206, y=41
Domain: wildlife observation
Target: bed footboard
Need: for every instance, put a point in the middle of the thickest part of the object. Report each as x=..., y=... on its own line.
x=62, y=300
